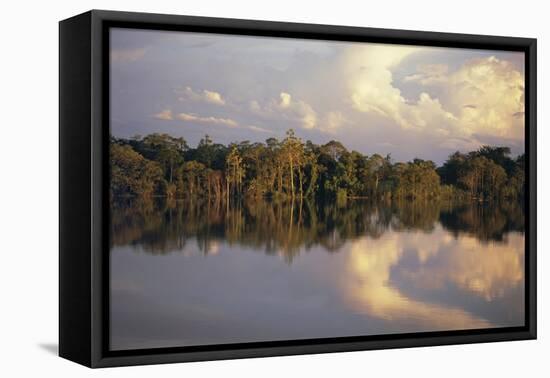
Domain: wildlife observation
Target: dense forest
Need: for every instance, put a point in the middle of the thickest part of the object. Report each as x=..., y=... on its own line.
x=162, y=165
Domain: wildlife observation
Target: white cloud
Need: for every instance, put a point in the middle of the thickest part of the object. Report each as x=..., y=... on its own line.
x=165, y=115
x=127, y=55
x=298, y=110
x=428, y=112
x=368, y=69
x=286, y=108
x=484, y=96
x=285, y=100
x=190, y=117
x=309, y=117
x=429, y=74
x=205, y=95
x=259, y=129
x=333, y=122
x=487, y=94
x=213, y=97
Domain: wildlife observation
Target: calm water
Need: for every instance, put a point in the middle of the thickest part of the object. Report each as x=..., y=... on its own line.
x=191, y=273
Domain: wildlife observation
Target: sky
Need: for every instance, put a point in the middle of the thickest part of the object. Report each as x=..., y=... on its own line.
x=408, y=101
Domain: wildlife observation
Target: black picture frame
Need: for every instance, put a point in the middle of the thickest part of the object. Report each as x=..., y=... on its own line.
x=83, y=181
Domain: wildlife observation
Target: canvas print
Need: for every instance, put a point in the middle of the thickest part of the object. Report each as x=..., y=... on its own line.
x=268, y=189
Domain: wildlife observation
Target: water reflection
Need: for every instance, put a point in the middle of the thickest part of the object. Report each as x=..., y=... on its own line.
x=193, y=273
x=160, y=226
x=435, y=260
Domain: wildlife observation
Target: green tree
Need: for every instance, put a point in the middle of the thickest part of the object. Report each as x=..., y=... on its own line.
x=293, y=154
x=132, y=174
x=166, y=150
x=234, y=172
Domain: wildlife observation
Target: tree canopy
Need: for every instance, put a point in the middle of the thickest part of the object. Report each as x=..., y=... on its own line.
x=160, y=164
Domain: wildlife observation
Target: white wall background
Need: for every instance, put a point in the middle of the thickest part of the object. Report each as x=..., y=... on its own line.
x=29, y=186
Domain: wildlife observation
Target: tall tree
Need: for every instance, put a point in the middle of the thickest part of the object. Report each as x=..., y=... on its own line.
x=234, y=171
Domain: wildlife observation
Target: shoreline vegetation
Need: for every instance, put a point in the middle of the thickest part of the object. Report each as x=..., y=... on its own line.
x=289, y=169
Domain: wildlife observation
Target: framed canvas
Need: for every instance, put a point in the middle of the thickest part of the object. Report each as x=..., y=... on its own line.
x=234, y=188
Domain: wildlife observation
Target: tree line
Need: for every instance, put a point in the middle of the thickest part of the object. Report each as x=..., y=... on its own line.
x=163, y=165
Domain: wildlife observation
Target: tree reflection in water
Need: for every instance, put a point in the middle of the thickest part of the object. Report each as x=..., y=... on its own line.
x=161, y=226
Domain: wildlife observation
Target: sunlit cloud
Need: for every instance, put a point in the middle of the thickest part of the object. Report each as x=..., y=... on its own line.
x=333, y=122
x=368, y=70
x=190, y=117
x=286, y=98
x=213, y=97
x=429, y=74
x=286, y=108
x=164, y=115
x=127, y=55
x=205, y=95
x=259, y=129
x=372, y=89
x=167, y=115
x=484, y=96
x=487, y=94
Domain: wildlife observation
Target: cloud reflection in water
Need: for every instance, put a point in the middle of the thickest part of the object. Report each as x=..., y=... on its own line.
x=440, y=261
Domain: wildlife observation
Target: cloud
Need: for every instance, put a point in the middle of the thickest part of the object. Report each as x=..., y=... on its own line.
x=190, y=117
x=288, y=109
x=297, y=110
x=213, y=97
x=429, y=74
x=165, y=115
x=333, y=122
x=484, y=96
x=205, y=95
x=309, y=117
x=127, y=55
x=259, y=129
x=286, y=98
x=369, y=73
x=488, y=97
x=372, y=89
